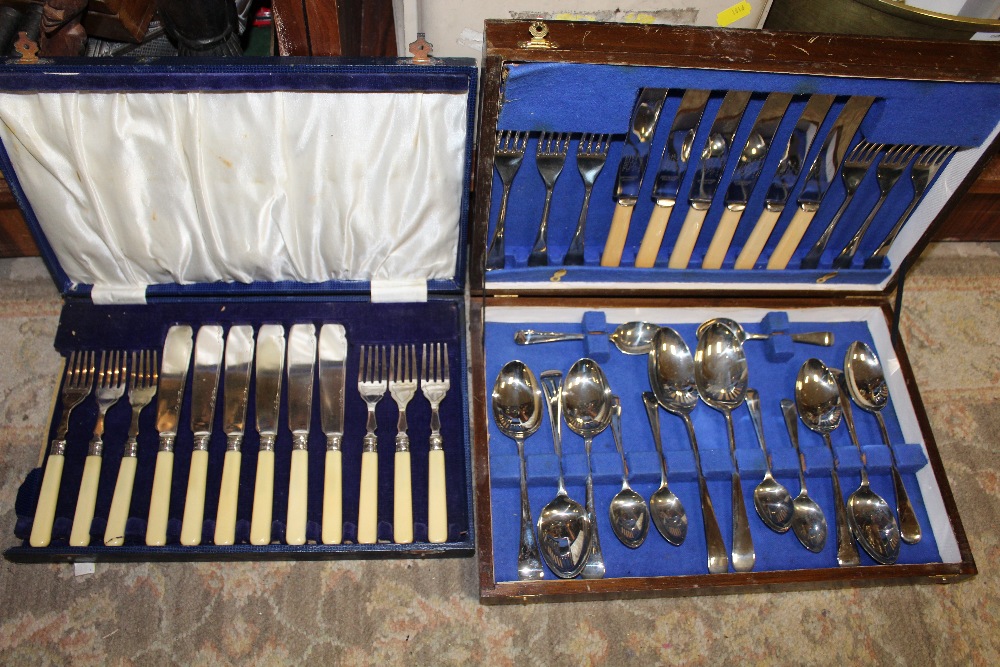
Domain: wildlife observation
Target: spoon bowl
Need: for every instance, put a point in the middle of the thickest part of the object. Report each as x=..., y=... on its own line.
x=634, y=337
x=771, y=499
x=822, y=338
x=666, y=508
x=808, y=520
x=628, y=512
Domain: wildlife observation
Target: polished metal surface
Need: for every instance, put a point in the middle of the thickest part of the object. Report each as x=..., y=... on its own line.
x=236, y=384
x=796, y=150
x=825, y=165
x=717, y=148
x=677, y=151
x=402, y=387
x=435, y=381
x=665, y=508
x=301, y=372
x=771, y=499
x=808, y=520
x=628, y=337
x=628, y=512
x=507, y=159
x=821, y=338
x=267, y=384
x=173, y=375
x=143, y=381
x=755, y=150
x=550, y=157
x=373, y=380
x=109, y=387
x=635, y=153
x=591, y=154
x=517, y=412
x=332, y=383
x=207, y=368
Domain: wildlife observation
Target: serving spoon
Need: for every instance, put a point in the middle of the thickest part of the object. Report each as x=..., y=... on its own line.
x=628, y=337
x=771, y=499
x=808, y=520
x=666, y=508
x=822, y=338
x=628, y=512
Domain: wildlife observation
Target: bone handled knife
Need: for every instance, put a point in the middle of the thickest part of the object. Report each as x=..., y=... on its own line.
x=301, y=370
x=785, y=177
x=332, y=378
x=173, y=376
x=270, y=367
x=745, y=177
x=236, y=390
x=673, y=167
x=208, y=349
x=631, y=169
x=710, y=170
x=821, y=174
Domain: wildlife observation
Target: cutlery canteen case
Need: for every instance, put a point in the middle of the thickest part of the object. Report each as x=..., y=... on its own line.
x=577, y=78
x=249, y=192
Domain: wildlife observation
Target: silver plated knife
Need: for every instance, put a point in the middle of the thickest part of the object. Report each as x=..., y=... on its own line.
x=173, y=376
x=709, y=174
x=631, y=169
x=204, y=387
x=270, y=367
x=301, y=370
x=673, y=167
x=332, y=378
x=236, y=390
x=745, y=177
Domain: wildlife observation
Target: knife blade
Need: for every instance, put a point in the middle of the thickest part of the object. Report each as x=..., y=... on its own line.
x=631, y=169
x=821, y=174
x=709, y=173
x=745, y=177
x=270, y=367
x=301, y=369
x=671, y=172
x=236, y=390
x=204, y=386
x=332, y=379
x=173, y=376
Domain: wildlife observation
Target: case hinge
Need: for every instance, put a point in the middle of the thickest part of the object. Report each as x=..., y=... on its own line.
x=27, y=48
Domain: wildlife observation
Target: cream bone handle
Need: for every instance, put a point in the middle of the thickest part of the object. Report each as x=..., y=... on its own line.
x=652, y=239
x=121, y=501
x=690, y=230
x=298, y=494
x=758, y=238
x=86, y=501
x=229, y=493
x=723, y=237
x=159, y=501
x=615, y=244
x=333, y=504
x=263, y=497
x=194, y=502
x=792, y=237
x=45, y=512
x=402, y=515
x=368, y=501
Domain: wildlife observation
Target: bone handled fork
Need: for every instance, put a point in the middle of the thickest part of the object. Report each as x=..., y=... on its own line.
x=142, y=382
x=402, y=387
x=509, y=154
x=549, y=158
x=372, y=373
x=435, y=381
x=110, y=386
x=76, y=387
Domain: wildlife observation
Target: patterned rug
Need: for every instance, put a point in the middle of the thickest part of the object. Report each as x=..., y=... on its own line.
x=427, y=612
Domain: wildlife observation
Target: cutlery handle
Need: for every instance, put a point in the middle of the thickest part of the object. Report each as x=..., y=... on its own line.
x=529, y=337
x=649, y=249
x=821, y=338
x=718, y=560
x=121, y=501
x=368, y=502
x=743, y=552
x=847, y=553
x=45, y=512
x=790, y=239
x=722, y=239
x=437, y=503
x=402, y=509
x=875, y=261
x=229, y=493
x=194, y=502
x=758, y=239
x=79, y=536
x=681, y=255
x=159, y=501
x=333, y=509
x=615, y=245
x=298, y=495
x=263, y=498
x=909, y=526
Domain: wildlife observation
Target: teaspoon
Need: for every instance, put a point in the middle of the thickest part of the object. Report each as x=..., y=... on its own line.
x=517, y=411
x=628, y=512
x=822, y=338
x=629, y=337
x=868, y=388
x=771, y=499
x=666, y=508
x=808, y=521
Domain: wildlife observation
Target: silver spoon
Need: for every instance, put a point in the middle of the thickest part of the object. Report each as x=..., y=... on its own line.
x=629, y=337
x=823, y=338
x=666, y=508
x=868, y=388
x=628, y=512
x=517, y=411
x=563, y=526
x=872, y=520
x=671, y=377
x=720, y=370
x=771, y=499
x=587, y=410
x=818, y=401
x=808, y=520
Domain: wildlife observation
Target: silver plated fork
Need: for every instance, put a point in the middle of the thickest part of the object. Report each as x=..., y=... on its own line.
x=591, y=154
x=76, y=387
x=372, y=383
x=922, y=173
x=889, y=170
x=402, y=388
x=109, y=388
x=507, y=159
x=435, y=381
x=853, y=172
x=549, y=158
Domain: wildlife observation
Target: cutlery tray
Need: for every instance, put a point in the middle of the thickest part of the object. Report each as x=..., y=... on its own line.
x=584, y=79
x=263, y=192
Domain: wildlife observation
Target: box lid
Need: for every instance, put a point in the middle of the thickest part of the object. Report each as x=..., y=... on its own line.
x=176, y=177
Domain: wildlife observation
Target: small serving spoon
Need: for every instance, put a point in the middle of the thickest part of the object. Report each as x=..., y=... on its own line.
x=666, y=508
x=771, y=499
x=808, y=520
x=628, y=512
x=628, y=337
x=823, y=338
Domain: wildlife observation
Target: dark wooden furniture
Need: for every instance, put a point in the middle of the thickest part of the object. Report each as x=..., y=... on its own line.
x=343, y=27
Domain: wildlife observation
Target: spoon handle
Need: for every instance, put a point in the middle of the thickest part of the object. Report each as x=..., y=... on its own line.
x=847, y=552
x=594, y=569
x=529, y=337
x=529, y=565
x=718, y=560
x=909, y=526
x=792, y=424
x=743, y=552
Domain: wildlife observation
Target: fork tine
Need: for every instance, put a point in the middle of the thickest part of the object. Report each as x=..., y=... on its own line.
x=447, y=373
x=423, y=364
x=413, y=363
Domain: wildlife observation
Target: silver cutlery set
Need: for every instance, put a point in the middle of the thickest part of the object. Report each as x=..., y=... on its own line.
x=565, y=536
x=720, y=162
x=275, y=359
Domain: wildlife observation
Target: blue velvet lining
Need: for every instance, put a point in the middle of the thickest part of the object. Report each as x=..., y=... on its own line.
x=86, y=326
x=628, y=378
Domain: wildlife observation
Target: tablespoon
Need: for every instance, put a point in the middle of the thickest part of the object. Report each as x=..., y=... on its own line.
x=824, y=338
x=563, y=526
x=629, y=337
x=808, y=521
x=517, y=411
x=666, y=508
x=771, y=499
x=628, y=512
